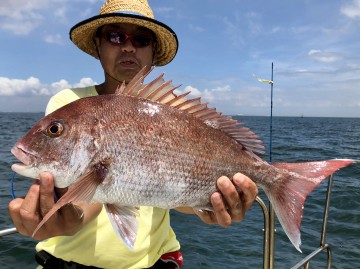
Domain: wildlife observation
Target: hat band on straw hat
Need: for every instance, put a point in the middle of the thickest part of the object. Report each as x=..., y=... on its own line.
x=128, y=12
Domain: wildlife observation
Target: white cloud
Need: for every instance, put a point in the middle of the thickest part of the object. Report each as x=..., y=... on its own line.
x=54, y=39
x=165, y=11
x=33, y=87
x=21, y=17
x=194, y=92
x=233, y=31
x=196, y=28
x=324, y=56
x=9, y=87
x=84, y=82
x=60, y=12
x=353, y=10
x=59, y=85
x=209, y=95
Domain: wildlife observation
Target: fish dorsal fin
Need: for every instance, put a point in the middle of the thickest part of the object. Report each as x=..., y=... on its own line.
x=162, y=91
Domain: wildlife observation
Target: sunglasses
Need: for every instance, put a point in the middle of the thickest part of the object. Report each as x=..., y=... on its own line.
x=137, y=40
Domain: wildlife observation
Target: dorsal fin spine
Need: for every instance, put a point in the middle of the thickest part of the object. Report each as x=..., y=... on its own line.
x=170, y=102
x=203, y=112
x=158, y=90
x=196, y=108
x=163, y=92
x=120, y=88
x=166, y=94
x=136, y=82
x=210, y=116
x=188, y=103
x=228, y=125
x=149, y=87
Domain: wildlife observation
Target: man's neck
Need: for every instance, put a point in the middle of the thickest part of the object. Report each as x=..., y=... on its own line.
x=106, y=88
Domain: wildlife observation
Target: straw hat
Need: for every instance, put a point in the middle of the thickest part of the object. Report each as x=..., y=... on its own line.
x=136, y=12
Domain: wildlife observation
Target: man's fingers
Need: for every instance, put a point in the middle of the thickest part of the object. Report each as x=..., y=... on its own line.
x=14, y=212
x=24, y=212
x=248, y=188
x=220, y=208
x=71, y=213
x=233, y=200
x=46, y=193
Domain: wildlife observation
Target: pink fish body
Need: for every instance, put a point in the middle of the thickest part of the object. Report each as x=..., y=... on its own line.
x=143, y=146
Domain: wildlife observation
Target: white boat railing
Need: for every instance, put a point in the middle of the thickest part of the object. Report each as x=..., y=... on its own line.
x=8, y=231
x=269, y=234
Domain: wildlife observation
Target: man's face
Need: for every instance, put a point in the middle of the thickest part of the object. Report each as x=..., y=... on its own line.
x=125, y=59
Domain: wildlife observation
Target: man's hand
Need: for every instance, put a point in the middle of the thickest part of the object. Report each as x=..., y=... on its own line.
x=230, y=205
x=28, y=212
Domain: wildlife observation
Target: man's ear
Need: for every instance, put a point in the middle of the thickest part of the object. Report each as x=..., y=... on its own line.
x=154, y=56
x=96, y=41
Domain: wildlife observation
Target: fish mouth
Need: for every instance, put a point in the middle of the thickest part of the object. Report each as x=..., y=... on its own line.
x=23, y=155
x=26, y=168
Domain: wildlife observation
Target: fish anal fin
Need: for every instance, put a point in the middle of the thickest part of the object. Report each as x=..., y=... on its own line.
x=296, y=182
x=123, y=219
x=82, y=190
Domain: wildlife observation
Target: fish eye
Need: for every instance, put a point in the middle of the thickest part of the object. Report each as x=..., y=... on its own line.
x=54, y=129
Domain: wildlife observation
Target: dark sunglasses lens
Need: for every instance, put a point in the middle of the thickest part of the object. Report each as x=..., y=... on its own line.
x=138, y=40
x=115, y=37
x=141, y=40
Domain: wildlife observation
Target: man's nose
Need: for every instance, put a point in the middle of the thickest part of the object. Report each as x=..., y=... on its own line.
x=128, y=46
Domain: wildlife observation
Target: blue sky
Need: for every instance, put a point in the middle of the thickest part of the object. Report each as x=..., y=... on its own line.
x=314, y=45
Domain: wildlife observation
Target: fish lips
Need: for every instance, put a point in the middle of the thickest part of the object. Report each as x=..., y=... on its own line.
x=23, y=155
x=26, y=168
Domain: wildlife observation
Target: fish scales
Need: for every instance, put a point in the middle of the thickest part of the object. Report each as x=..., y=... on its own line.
x=168, y=149
x=164, y=151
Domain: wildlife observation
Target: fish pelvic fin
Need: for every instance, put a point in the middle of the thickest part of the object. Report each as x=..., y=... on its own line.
x=82, y=190
x=123, y=219
x=296, y=183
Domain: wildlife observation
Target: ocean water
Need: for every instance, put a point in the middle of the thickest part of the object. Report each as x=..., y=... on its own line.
x=240, y=246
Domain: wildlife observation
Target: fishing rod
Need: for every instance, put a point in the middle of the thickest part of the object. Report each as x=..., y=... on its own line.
x=12, y=230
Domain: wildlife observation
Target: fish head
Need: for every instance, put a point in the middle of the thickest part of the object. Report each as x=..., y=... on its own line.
x=62, y=143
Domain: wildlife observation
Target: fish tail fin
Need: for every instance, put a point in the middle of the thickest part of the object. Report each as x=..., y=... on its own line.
x=297, y=182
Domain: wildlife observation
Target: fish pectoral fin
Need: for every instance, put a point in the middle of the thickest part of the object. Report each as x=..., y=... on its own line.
x=82, y=190
x=123, y=219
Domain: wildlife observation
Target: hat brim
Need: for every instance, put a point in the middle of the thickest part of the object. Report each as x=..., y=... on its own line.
x=83, y=33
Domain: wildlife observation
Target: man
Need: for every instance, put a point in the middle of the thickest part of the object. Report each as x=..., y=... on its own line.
x=125, y=38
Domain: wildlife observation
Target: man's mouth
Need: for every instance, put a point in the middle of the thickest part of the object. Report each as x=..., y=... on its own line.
x=128, y=61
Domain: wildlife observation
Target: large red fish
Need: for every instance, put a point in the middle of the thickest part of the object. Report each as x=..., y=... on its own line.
x=145, y=146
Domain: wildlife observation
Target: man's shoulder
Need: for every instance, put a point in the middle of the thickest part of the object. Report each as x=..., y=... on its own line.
x=77, y=92
x=67, y=96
